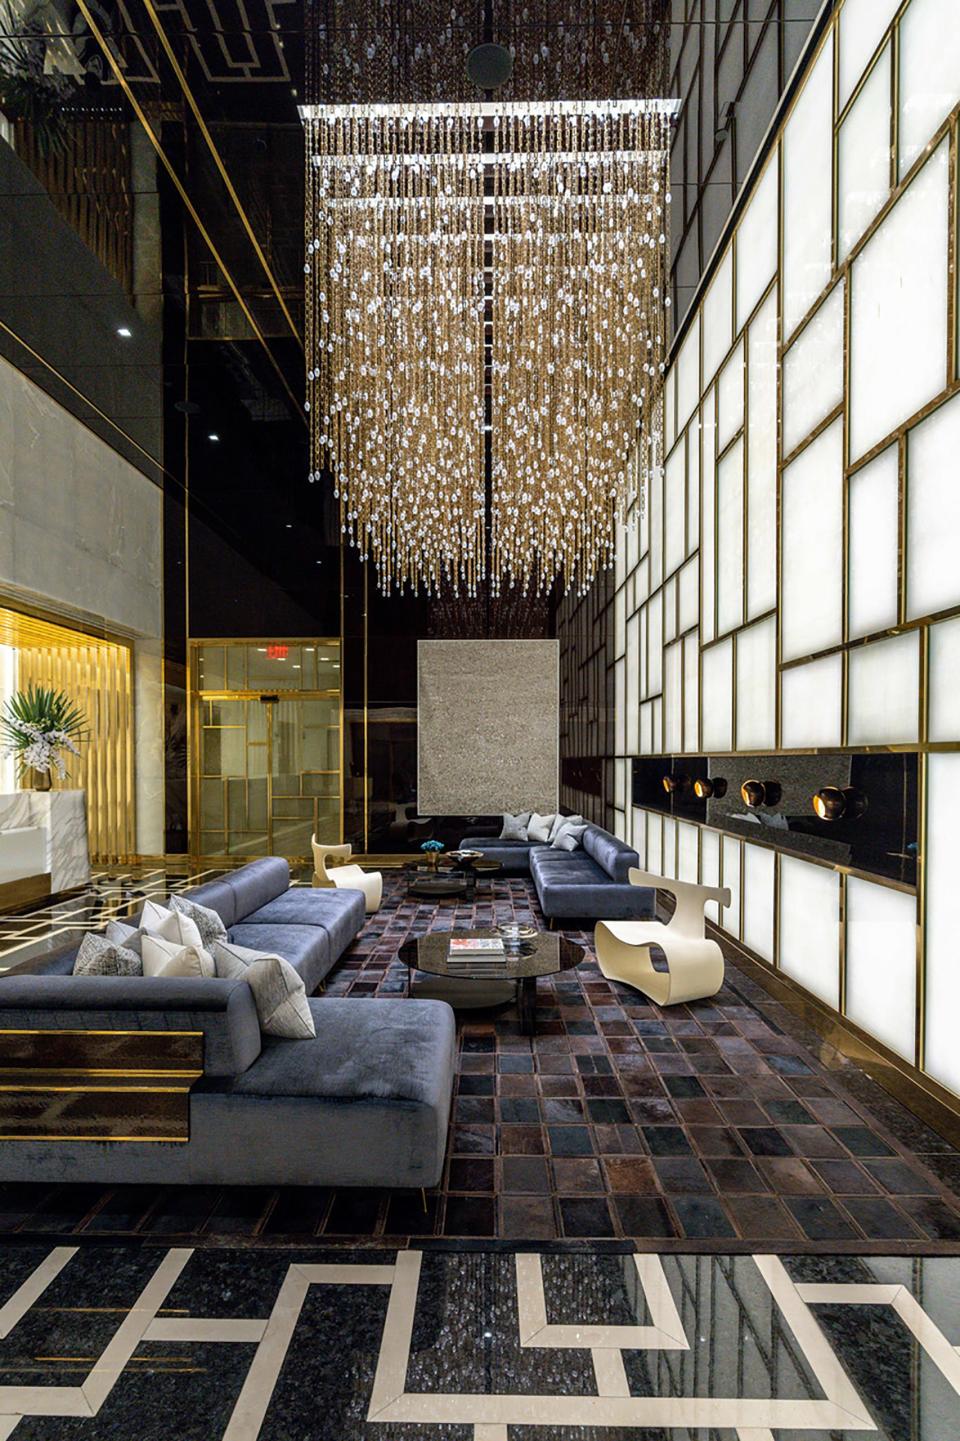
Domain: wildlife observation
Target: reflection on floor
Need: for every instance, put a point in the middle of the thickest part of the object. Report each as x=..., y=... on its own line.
x=718, y=1124
x=277, y=1345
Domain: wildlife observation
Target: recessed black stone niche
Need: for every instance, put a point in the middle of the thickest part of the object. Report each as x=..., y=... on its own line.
x=678, y=797
x=881, y=841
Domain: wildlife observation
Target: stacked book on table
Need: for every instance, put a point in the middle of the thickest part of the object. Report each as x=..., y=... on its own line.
x=476, y=950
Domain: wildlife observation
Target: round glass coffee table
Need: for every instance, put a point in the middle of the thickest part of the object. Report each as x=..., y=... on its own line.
x=492, y=979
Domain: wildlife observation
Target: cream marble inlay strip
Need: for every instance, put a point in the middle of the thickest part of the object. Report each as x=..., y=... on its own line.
x=217, y=1328
x=33, y=1288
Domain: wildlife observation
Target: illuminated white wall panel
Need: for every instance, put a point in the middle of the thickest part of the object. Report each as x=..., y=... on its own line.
x=710, y=868
x=691, y=692
x=943, y=972
x=757, y=244
x=718, y=318
x=674, y=508
x=688, y=374
x=929, y=66
x=730, y=861
x=688, y=597
x=882, y=964
x=810, y=927
x=944, y=701
x=716, y=681
x=708, y=551
x=813, y=372
x=862, y=26
x=757, y=686
x=669, y=861
x=730, y=539
x=808, y=192
x=812, y=544
x=730, y=398
x=898, y=329
x=687, y=853
x=762, y=460
x=864, y=155
x=884, y=686
x=810, y=704
x=873, y=529
x=933, y=512
x=759, y=870
x=673, y=697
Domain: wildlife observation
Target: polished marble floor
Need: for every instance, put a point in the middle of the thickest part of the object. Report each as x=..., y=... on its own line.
x=131, y=1341
x=722, y=1124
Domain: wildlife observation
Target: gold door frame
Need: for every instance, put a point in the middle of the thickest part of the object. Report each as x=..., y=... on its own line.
x=195, y=698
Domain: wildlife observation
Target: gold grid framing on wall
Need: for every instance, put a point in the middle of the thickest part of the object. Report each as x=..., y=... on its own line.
x=199, y=695
x=646, y=590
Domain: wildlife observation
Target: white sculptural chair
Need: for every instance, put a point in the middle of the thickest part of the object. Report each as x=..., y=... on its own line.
x=694, y=962
x=346, y=877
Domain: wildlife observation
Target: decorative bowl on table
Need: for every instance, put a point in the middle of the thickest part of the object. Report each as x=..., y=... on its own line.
x=465, y=855
x=515, y=933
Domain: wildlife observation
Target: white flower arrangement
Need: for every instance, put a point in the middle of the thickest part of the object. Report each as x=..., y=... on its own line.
x=37, y=726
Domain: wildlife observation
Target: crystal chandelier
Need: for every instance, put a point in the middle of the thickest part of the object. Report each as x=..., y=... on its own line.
x=486, y=332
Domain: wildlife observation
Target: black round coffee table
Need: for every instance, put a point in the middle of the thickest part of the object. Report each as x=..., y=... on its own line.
x=545, y=955
x=433, y=884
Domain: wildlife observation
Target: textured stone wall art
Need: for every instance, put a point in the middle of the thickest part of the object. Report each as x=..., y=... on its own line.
x=487, y=725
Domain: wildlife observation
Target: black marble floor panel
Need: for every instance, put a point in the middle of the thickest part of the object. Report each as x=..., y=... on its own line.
x=111, y=1342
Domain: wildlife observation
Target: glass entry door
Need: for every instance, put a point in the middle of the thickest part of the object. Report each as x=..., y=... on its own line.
x=265, y=758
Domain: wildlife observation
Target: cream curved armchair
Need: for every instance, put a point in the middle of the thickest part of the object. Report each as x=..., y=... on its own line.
x=346, y=877
x=694, y=962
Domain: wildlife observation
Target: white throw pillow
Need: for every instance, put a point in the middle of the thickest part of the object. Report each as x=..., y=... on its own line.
x=169, y=958
x=560, y=821
x=515, y=827
x=539, y=828
x=208, y=922
x=170, y=925
x=569, y=837
x=279, y=992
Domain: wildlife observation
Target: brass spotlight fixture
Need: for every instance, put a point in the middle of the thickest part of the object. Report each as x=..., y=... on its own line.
x=755, y=794
x=703, y=788
x=835, y=803
x=674, y=785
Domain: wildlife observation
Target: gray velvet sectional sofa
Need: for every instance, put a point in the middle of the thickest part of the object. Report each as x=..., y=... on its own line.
x=588, y=883
x=364, y=1103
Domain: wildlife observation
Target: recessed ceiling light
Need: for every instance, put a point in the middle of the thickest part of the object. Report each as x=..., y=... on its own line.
x=319, y=562
x=213, y=435
x=125, y=331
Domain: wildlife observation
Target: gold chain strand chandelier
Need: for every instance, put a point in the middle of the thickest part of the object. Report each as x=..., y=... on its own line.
x=548, y=218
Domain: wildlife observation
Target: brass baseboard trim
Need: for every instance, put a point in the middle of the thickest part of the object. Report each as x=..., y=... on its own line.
x=930, y=1102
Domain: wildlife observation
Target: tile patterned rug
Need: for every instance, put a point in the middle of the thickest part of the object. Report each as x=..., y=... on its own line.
x=263, y=1344
x=721, y=1124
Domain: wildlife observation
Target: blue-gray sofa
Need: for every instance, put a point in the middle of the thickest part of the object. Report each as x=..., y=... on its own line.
x=364, y=1103
x=588, y=883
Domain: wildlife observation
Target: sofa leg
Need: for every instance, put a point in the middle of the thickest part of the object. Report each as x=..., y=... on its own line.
x=423, y=1198
x=551, y=923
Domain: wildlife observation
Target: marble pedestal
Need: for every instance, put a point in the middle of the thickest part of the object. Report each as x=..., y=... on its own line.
x=62, y=816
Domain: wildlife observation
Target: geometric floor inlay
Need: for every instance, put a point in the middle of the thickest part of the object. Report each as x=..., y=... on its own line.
x=264, y=1344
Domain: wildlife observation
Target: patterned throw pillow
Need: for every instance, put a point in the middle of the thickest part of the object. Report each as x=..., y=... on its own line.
x=123, y=935
x=207, y=921
x=514, y=828
x=169, y=958
x=569, y=837
x=278, y=991
x=539, y=828
x=98, y=956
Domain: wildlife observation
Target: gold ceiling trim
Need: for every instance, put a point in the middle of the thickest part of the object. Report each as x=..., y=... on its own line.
x=222, y=169
x=181, y=190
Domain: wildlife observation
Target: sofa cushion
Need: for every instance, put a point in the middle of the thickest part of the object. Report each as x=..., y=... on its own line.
x=307, y=948
x=612, y=855
x=575, y=868
x=219, y=897
x=512, y=855
x=100, y=956
x=223, y=1010
x=385, y=1050
x=255, y=884
x=207, y=921
x=341, y=913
